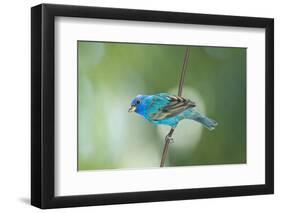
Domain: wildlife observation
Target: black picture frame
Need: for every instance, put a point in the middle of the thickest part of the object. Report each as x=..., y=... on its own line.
x=43, y=102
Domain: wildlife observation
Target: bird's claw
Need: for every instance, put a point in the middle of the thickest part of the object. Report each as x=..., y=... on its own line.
x=169, y=138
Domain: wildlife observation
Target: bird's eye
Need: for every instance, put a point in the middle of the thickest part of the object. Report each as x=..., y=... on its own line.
x=138, y=102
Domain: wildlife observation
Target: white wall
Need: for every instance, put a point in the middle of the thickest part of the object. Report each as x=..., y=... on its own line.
x=15, y=106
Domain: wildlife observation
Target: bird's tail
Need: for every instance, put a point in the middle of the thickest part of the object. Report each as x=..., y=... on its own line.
x=205, y=121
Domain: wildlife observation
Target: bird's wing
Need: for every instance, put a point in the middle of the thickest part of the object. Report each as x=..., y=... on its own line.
x=166, y=106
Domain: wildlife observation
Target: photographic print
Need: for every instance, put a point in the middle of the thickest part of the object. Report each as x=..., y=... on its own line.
x=149, y=105
x=171, y=106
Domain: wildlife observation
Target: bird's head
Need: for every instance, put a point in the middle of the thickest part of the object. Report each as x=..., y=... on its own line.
x=137, y=104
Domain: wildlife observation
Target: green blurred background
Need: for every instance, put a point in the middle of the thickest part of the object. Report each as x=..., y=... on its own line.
x=112, y=74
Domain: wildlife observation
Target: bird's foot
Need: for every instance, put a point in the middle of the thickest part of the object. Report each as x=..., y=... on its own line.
x=169, y=138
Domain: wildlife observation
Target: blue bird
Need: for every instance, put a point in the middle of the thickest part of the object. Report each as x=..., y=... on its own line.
x=167, y=109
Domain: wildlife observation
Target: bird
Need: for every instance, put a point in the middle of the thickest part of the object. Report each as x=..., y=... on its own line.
x=167, y=109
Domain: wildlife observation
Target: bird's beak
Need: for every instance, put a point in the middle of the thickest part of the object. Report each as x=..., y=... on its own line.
x=132, y=108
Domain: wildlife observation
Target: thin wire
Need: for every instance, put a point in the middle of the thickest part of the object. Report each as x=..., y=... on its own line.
x=181, y=83
x=164, y=154
x=165, y=150
x=183, y=71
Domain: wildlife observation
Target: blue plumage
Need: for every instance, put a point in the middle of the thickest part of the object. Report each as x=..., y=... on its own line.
x=167, y=109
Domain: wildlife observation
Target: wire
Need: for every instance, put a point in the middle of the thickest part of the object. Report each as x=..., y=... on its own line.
x=168, y=138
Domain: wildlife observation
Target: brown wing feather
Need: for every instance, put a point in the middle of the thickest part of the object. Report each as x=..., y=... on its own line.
x=176, y=106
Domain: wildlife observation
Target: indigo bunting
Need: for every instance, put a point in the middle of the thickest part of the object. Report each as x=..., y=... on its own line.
x=167, y=109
